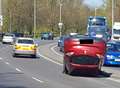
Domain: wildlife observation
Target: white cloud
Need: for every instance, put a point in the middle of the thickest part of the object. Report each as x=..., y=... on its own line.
x=94, y=3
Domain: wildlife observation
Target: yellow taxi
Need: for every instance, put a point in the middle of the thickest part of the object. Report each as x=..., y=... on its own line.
x=24, y=46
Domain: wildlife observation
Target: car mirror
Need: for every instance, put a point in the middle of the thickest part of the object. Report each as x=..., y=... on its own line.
x=36, y=45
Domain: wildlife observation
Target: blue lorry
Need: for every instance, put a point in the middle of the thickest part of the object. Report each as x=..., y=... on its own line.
x=97, y=27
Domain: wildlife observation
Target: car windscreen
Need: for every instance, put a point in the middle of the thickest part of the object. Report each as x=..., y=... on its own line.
x=25, y=41
x=97, y=22
x=9, y=35
x=116, y=31
x=113, y=47
x=45, y=34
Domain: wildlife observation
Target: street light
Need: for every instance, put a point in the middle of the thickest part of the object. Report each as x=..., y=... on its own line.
x=112, y=12
x=96, y=11
x=34, y=17
x=1, y=17
x=60, y=24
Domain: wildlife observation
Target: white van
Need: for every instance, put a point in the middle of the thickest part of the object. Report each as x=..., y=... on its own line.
x=116, y=31
x=8, y=39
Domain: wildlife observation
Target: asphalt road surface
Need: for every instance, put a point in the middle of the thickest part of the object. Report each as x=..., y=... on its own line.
x=45, y=71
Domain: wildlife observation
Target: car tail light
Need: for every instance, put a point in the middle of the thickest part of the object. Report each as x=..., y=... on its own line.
x=33, y=47
x=69, y=53
x=17, y=46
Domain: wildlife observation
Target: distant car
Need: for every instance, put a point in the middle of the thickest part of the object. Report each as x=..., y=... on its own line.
x=25, y=46
x=8, y=39
x=113, y=54
x=61, y=42
x=83, y=54
x=17, y=34
x=99, y=32
x=47, y=36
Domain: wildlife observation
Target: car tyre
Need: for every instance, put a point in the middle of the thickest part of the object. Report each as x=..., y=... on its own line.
x=65, y=69
x=70, y=72
x=14, y=55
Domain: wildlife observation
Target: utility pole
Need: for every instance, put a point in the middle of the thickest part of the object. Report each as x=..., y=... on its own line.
x=1, y=17
x=112, y=12
x=96, y=11
x=10, y=24
x=60, y=24
x=34, y=17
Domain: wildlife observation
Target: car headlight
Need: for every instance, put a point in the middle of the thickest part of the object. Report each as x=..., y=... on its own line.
x=17, y=46
x=110, y=57
x=33, y=47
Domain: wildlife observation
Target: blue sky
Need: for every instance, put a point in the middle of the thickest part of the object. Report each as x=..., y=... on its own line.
x=92, y=4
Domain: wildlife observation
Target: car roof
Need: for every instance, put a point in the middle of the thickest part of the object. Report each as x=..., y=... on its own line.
x=6, y=34
x=82, y=37
x=25, y=38
x=99, y=17
x=113, y=42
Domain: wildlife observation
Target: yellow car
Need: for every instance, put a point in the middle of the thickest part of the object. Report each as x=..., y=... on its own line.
x=24, y=46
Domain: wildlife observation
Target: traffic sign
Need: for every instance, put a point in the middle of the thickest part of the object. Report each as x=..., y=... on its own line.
x=60, y=25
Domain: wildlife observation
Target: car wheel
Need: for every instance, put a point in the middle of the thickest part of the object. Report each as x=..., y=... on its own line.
x=100, y=65
x=14, y=55
x=60, y=49
x=70, y=72
x=65, y=69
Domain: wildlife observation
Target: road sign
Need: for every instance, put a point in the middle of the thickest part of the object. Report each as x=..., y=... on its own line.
x=60, y=25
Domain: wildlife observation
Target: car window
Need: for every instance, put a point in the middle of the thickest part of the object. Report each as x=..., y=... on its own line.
x=25, y=41
x=10, y=35
x=113, y=47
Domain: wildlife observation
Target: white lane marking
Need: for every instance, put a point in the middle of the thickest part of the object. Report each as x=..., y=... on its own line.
x=52, y=48
x=1, y=58
x=114, y=79
x=38, y=80
x=17, y=69
x=7, y=63
x=50, y=60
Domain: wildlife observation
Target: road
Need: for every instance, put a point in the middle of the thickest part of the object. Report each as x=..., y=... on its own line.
x=45, y=71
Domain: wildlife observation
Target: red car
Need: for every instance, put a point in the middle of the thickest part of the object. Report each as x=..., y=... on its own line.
x=83, y=54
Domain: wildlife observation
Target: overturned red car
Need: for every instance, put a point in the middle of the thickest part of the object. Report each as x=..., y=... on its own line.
x=83, y=54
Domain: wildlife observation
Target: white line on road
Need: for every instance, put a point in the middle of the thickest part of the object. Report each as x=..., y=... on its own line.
x=50, y=60
x=114, y=79
x=17, y=69
x=1, y=58
x=52, y=48
x=38, y=80
x=7, y=63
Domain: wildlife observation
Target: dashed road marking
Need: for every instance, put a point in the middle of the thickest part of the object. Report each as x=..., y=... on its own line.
x=38, y=80
x=114, y=79
x=7, y=63
x=1, y=58
x=17, y=69
x=52, y=48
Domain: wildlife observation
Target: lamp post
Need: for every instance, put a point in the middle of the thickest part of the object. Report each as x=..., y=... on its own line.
x=60, y=24
x=60, y=21
x=1, y=17
x=96, y=11
x=34, y=18
x=112, y=12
